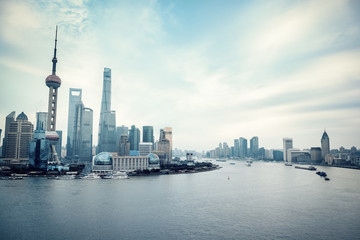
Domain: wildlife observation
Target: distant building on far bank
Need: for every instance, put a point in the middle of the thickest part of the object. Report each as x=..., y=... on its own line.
x=287, y=144
x=325, y=145
x=315, y=153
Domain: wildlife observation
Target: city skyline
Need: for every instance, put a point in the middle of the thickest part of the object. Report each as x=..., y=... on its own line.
x=212, y=72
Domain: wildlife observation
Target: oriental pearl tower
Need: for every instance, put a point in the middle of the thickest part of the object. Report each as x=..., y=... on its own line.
x=53, y=82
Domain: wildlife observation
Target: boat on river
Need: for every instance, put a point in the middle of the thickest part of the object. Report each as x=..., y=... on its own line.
x=311, y=168
x=91, y=176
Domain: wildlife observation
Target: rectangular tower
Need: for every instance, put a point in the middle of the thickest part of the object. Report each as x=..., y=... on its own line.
x=243, y=147
x=287, y=144
x=74, y=98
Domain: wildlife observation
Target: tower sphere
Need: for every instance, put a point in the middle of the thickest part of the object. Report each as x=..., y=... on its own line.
x=53, y=81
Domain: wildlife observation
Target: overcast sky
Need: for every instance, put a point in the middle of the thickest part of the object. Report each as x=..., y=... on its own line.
x=212, y=70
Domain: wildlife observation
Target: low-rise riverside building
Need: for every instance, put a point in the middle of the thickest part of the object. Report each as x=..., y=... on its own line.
x=106, y=162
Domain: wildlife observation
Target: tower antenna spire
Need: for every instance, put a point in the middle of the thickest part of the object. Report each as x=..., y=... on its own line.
x=54, y=60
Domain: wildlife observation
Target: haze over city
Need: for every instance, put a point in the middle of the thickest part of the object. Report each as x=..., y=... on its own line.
x=213, y=71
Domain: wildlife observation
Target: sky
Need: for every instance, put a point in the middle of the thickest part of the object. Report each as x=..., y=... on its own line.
x=214, y=71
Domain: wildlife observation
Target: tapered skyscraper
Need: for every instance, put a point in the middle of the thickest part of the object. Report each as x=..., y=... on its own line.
x=325, y=145
x=107, y=123
x=53, y=82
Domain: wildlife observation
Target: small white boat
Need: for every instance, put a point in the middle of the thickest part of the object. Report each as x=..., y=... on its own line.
x=91, y=176
x=248, y=163
x=119, y=175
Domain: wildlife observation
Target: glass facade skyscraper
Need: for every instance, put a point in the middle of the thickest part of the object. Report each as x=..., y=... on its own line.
x=148, y=134
x=254, y=146
x=134, y=138
x=83, y=133
x=9, y=119
x=243, y=147
x=107, y=124
x=74, y=98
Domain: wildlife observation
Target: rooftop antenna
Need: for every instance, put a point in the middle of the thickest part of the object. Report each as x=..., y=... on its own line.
x=54, y=60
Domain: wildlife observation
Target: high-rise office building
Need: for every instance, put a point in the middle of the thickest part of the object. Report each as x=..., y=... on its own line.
x=164, y=145
x=288, y=144
x=83, y=133
x=18, y=138
x=325, y=145
x=107, y=124
x=9, y=119
x=254, y=147
x=148, y=134
x=134, y=138
x=75, y=95
x=236, y=148
x=39, y=146
x=145, y=148
x=120, y=131
x=168, y=136
x=124, y=146
x=41, y=120
x=243, y=147
x=53, y=82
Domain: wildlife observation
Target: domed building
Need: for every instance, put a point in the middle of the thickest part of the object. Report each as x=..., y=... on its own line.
x=103, y=162
x=154, y=161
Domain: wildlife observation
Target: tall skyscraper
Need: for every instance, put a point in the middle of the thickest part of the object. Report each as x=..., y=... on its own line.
x=134, y=138
x=41, y=120
x=164, y=144
x=53, y=82
x=168, y=136
x=9, y=119
x=107, y=123
x=74, y=98
x=39, y=146
x=148, y=134
x=236, y=148
x=124, y=146
x=325, y=145
x=120, y=131
x=243, y=147
x=18, y=140
x=83, y=132
x=288, y=144
x=254, y=146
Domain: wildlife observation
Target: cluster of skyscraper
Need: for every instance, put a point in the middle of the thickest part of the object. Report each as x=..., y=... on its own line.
x=125, y=141
x=239, y=150
x=315, y=154
x=39, y=148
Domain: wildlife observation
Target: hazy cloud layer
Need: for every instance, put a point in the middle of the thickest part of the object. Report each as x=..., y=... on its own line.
x=213, y=70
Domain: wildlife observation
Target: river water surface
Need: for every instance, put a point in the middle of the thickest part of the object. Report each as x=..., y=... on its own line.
x=264, y=201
